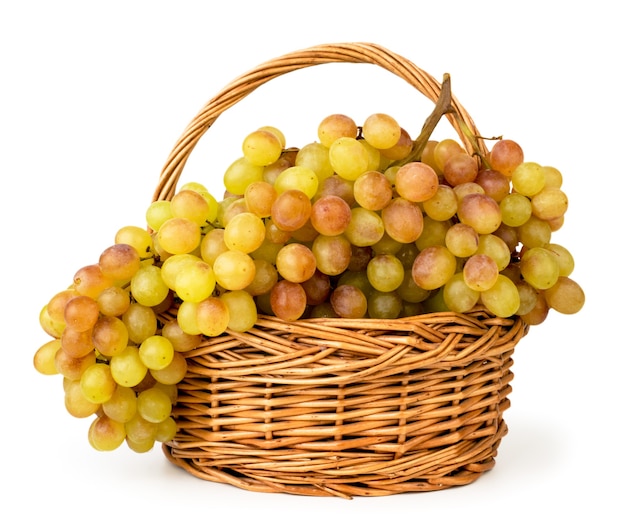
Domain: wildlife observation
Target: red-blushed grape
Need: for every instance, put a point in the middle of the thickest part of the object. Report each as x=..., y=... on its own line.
x=433, y=267
x=401, y=149
x=416, y=182
x=291, y=210
x=336, y=126
x=505, y=156
x=119, y=262
x=348, y=301
x=105, y=434
x=43, y=360
x=366, y=227
x=372, y=190
x=481, y=212
x=109, y=335
x=90, y=281
x=259, y=197
x=494, y=183
x=460, y=168
x=443, y=151
x=77, y=343
x=190, y=205
x=565, y=296
x=480, y=272
x=295, y=262
x=332, y=254
x=402, y=220
x=317, y=288
x=288, y=300
x=330, y=215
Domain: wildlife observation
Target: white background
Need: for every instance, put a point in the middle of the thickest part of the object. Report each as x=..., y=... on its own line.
x=93, y=96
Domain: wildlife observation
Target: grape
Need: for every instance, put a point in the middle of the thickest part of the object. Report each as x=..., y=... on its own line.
x=505, y=156
x=140, y=321
x=110, y=336
x=495, y=248
x=366, y=227
x=105, y=434
x=173, y=373
x=337, y=186
x=140, y=431
x=77, y=343
x=460, y=168
x=416, y=182
x=516, y=209
x=565, y=296
x=387, y=245
x=433, y=267
x=265, y=277
x=549, y=203
x=44, y=358
x=528, y=178
x=97, y=383
x=502, y=299
x=291, y=210
x=239, y=174
x=433, y=233
x=242, y=310
x=295, y=262
x=147, y=286
x=401, y=149
x=528, y=298
x=179, y=235
x=564, y=258
x=442, y=205
x=336, y=126
x=553, y=177
x=381, y=131
x=444, y=150
x=315, y=157
x=262, y=147
x=402, y=220
x=495, y=184
x=154, y=405
x=156, y=352
x=331, y=255
x=330, y=215
x=81, y=313
x=187, y=318
x=458, y=296
x=190, y=205
x=384, y=305
x=385, y=272
x=539, y=313
x=464, y=189
x=158, y=212
x=75, y=401
x=372, y=190
x=540, y=268
x=348, y=301
x=480, y=272
x=119, y=262
x=461, y=240
x=481, y=212
x=137, y=237
x=317, y=288
x=90, y=281
x=299, y=178
x=408, y=290
x=259, y=197
x=113, y=301
x=534, y=232
x=181, y=341
x=122, y=406
x=349, y=157
x=234, y=270
x=166, y=430
x=288, y=300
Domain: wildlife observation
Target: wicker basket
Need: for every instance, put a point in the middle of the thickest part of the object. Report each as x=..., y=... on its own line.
x=339, y=407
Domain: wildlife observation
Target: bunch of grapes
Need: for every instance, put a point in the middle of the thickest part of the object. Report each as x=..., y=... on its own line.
x=352, y=225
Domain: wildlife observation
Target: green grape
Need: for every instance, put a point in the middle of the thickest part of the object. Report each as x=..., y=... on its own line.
x=385, y=272
x=540, y=268
x=262, y=147
x=349, y=158
x=442, y=151
x=127, y=368
x=366, y=227
x=212, y=245
x=242, y=310
x=336, y=126
x=147, y=286
x=433, y=267
x=179, y=235
x=443, y=205
x=195, y=281
x=156, y=352
x=408, y=290
x=288, y=300
x=244, y=232
x=75, y=401
x=174, y=372
x=187, y=318
x=502, y=299
x=516, y=209
x=190, y=205
x=458, y=296
x=97, y=383
x=528, y=298
x=212, y=317
x=528, y=178
x=43, y=360
x=158, y=212
x=154, y=405
x=358, y=279
x=299, y=178
x=140, y=431
x=105, y=434
x=140, y=321
x=122, y=406
x=265, y=277
x=565, y=296
x=416, y=182
x=110, y=336
x=461, y=240
x=315, y=157
x=553, y=177
x=239, y=174
x=381, y=131
x=495, y=248
x=166, y=430
x=332, y=254
x=433, y=233
x=137, y=237
x=564, y=258
x=549, y=203
x=234, y=270
x=534, y=232
x=384, y=305
x=50, y=326
x=402, y=220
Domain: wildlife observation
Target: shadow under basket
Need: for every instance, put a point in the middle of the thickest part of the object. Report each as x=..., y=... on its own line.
x=342, y=407
x=348, y=407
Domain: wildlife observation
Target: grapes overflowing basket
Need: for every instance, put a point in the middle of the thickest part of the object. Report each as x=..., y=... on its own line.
x=380, y=371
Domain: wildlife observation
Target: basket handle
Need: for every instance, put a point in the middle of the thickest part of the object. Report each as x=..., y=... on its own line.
x=238, y=89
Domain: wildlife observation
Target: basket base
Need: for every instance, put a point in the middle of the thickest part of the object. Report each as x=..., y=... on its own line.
x=342, y=474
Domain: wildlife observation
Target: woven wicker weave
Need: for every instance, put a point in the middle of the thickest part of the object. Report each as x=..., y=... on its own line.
x=339, y=407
